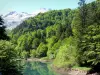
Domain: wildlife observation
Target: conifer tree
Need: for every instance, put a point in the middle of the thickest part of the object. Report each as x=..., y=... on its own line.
x=3, y=35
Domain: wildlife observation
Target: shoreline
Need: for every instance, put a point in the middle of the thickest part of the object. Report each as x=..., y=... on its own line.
x=40, y=60
x=71, y=71
x=62, y=71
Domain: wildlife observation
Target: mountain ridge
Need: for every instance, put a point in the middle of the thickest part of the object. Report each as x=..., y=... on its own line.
x=14, y=18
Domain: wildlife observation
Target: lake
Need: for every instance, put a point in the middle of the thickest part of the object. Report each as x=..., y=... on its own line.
x=38, y=68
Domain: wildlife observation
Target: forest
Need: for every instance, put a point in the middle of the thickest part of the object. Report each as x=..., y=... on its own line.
x=69, y=37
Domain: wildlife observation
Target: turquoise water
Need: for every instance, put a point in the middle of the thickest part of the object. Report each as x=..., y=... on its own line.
x=38, y=68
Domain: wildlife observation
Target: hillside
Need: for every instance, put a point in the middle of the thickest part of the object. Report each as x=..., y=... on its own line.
x=70, y=37
x=46, y=29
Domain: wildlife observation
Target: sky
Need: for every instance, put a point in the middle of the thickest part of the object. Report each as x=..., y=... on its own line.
x=30, y=6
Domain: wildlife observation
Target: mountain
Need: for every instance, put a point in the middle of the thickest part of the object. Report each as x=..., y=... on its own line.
x=13, y=18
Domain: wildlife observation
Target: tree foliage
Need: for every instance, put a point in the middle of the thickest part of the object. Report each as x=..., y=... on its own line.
x=3, y=35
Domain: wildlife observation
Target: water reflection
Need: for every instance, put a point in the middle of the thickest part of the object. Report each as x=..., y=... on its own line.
x=38, y=68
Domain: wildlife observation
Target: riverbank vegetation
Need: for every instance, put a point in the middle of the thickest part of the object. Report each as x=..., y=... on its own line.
x=71, y=37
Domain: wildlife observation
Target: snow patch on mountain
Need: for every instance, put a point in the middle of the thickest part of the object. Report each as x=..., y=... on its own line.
x=13, y=18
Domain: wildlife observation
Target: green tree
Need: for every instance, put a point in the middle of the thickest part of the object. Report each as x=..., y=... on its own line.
x=41, y=50
x=3, y=35
x=8, y=63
